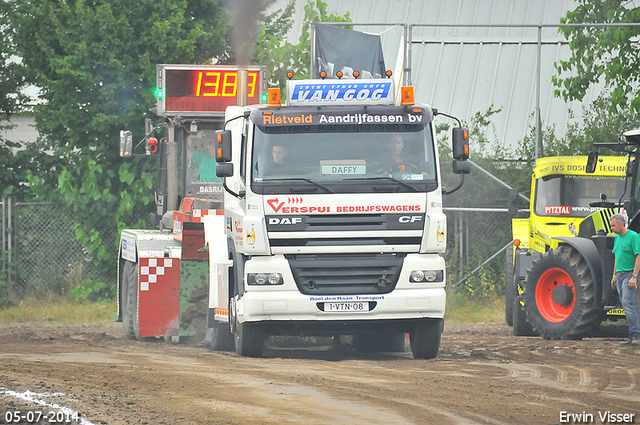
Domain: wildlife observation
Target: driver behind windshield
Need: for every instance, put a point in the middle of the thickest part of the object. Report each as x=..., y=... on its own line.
x=385, y=164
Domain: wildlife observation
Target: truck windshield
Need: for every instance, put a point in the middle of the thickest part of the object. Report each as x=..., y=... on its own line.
x=362, y=161
x=570, y=195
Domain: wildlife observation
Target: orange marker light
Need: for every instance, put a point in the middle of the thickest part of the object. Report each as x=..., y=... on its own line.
x=219, y=152
x=356, y=74
x=273, y=98
x=339, y=74
x=388, y=73
x=323, y=75
x=289, y=75
x=407, y=95
x=516, y=242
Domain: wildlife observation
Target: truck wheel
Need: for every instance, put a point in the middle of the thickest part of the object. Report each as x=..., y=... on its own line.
x=559, y=295
x=218, y=336
x=509, y=288
x=249, y=337
x=425, y=338
x=388, y=342
x=129, y=309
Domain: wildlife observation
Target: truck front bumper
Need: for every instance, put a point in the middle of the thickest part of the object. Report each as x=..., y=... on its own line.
x=285, y=302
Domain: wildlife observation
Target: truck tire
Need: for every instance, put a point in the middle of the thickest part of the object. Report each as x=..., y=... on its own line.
x=559, y=295
x=249, y=338
x=425, y=338
x=218, y=336
x=509, y=288
x=129, y=309
x=388, y=342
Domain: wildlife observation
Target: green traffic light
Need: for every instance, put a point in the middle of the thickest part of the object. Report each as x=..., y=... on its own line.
x=159, y=94
x=264, y=97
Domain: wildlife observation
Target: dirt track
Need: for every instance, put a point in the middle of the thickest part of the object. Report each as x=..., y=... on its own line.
x=482, y=375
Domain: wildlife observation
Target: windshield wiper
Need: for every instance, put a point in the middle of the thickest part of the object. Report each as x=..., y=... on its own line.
x=308, y=181
x=388, y=177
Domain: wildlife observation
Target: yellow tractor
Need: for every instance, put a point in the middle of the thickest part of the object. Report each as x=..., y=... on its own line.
x=549, y=286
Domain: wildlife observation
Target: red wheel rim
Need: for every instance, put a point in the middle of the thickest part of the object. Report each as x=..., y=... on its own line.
x=548, y=308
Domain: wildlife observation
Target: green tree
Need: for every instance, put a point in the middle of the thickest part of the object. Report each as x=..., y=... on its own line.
x=281, y=56
x=608, y=54
x=94, y=62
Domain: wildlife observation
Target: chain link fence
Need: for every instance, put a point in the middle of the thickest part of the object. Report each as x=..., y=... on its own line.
x=41, y=255
x=476, y=247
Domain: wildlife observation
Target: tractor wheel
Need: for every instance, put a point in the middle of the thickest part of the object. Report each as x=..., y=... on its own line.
x=249, y=337
x=425, y=338
x=129, y=308
x=509, y=288
x=559, y=295
x=218, y=336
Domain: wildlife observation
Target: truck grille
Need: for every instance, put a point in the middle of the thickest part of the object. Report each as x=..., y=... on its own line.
x=345, y=230
x=333, y=274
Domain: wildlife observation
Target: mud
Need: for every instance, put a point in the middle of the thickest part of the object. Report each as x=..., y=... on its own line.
x=482, y=375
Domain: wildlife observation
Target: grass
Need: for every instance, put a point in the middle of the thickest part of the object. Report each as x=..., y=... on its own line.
x=463, y=309
x=62, y=310
x=460, y=309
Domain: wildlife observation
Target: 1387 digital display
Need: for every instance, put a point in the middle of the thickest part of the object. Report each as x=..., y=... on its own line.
x=198, y=90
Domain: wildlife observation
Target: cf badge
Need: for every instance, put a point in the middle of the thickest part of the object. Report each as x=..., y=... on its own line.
x=409, y=219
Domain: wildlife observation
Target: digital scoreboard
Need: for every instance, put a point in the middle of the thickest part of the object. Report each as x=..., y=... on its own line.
x=190, y=90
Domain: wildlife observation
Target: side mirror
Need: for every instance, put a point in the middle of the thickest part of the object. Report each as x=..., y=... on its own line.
x=126, y=143
x=224, y=169
x=223, y=146
x=460, y=143
x=461, y=167
x=592, y=162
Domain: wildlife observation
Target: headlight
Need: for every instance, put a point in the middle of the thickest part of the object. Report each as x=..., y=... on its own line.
x=417, y=276
x=426, y=276
x=430, y=275
x=275, y=278
x=264, y=278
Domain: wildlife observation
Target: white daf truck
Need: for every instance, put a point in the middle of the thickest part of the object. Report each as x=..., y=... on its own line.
x=333, y=221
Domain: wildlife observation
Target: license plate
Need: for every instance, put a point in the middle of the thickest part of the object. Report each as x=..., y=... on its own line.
x=355, y=307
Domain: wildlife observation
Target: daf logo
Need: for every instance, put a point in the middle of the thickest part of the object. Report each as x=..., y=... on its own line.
x=409, y=219
x=285, y=220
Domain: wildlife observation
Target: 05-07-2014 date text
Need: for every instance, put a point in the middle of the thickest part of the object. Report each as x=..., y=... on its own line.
x=38, y=416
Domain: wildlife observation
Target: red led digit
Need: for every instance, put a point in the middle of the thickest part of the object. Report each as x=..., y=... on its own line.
x=230, y=81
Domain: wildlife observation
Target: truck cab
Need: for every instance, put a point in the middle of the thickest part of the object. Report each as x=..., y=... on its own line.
x=333, y=209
